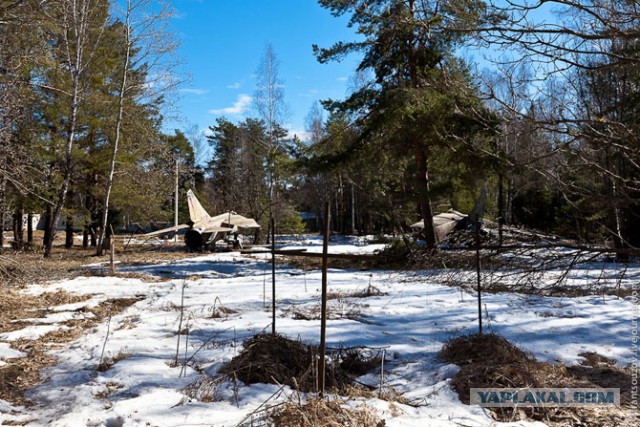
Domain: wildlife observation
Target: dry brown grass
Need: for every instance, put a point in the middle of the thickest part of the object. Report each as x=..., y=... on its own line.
x=490, y=361
x=22, y=374
x=108, y=362
x=19, y=269
x=206, y=389
x=16, y=308
x=320, y=412
x=336, y=309
x=274, y=359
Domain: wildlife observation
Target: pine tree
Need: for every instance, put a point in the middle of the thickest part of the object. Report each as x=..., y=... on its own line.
x=420, y=97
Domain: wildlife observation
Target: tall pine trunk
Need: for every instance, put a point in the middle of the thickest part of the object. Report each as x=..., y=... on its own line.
x=18, y=228
x=68, y=241
x=423, y=197
x=30, y=228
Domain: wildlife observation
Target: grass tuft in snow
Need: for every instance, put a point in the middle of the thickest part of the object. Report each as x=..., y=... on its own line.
x=219, y=311
x=487, y=348
x=206, y=389
x=108, y=362
x=319, y=412
x=274, y=359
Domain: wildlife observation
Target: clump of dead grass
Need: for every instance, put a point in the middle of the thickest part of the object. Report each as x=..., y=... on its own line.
x=206, y=389
x=108, y=362
x=320, y=412
x=275, y=359
x=356, y=361
x=596, y=360
x=490, y=361
x=219, y=311
x=271, y=359
x=222, y=312
x=473, y=349
x=338, y=308
x=369, y=291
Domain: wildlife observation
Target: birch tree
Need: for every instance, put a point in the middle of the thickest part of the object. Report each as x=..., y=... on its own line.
x=145, y=46
x=582, y=58
x=80, y=24
x=271, y=108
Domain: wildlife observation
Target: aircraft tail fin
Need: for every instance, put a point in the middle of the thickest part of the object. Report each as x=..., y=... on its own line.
x=196, y=211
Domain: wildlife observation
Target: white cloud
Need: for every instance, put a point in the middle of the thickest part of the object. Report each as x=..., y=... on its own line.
x=240, y=106
x=194, y=91
x=343, y=79
x=302, y=134
x=310, y=93
x=235, y=85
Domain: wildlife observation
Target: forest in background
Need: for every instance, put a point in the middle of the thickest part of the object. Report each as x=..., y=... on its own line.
x=549, y=126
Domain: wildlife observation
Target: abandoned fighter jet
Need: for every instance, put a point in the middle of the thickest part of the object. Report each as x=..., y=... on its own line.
x=444, y=223
x=205, y=230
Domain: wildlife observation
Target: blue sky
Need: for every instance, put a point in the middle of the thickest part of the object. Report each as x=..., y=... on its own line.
x=222, y=42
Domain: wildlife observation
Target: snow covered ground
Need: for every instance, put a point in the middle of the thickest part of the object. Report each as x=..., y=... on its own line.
x=411, y=321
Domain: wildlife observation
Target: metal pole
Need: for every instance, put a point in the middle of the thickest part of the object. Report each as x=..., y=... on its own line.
x=175, y=213
x=323, y=318
x=273, y=277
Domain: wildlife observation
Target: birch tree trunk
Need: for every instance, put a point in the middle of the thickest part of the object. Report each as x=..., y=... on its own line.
x=118, y=125
x=76, y=22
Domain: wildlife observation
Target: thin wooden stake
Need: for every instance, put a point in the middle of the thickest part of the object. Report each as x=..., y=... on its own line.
x=479, y=289
x=323, y=318
x=112, y=252
x=384, y=355
x=175, y=362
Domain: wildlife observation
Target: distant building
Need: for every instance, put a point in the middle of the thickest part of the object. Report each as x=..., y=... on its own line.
x=78, y=222
x=8, y=221
x=311, y=221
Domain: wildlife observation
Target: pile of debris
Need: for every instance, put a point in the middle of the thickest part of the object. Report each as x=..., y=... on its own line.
x=455, y=229
x=274, y=359
x=490, y=361
x=320, y=412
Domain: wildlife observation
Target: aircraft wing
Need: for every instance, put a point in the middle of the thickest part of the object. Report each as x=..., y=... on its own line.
x=216, y=229
x=166, y=230
x=443, y=222
x=241, y=221
x=234, y=220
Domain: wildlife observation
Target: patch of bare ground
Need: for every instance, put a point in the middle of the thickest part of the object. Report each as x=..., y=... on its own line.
x=23, y=373
x=315, y=263
x=490, y=361
x=19, y=269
